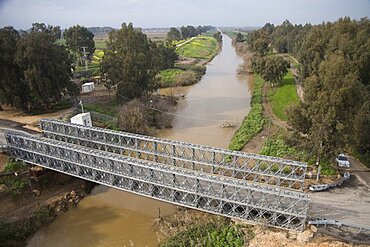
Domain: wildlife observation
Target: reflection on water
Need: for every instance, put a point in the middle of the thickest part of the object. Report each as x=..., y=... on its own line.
x=109, y=217
x=221, y=96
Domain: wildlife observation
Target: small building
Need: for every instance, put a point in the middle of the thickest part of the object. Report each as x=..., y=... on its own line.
x=88, y=87
x=82, y=119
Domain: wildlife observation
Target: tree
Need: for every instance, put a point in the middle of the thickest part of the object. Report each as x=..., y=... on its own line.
x=46, y=69
x=323, y=122
x=77, y=37
x=173, y=34
x=361, y=130
x=129, y=62
x=271, y=68
x=54, y=31
x=218, y=36
x=185, y=32
x=239, y=37
x=11, y=90
x=164, y=56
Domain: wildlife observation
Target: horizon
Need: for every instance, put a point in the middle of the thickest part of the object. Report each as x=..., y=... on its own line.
x=166, y=13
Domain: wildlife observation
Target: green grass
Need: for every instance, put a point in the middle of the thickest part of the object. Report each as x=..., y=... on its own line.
x=277, y=147
x=110, y=109
x=13, y=165
x=211, y=234
x=327, y=169
x=283, y=95
x=202, y=47
x=167, y=77
x=253, y=122
x=100, y=44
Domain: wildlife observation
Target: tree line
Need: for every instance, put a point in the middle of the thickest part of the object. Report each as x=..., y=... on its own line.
x=36, y=71
x=334, y=67
x=186, y=32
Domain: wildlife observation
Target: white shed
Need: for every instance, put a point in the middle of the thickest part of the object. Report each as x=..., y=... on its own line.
x=88, y=87
x=82, y=119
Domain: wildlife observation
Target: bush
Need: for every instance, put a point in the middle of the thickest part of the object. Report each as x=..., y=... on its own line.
x=327, y=169
x=14, y=166
x=136, y=117
x=133, y=117
x=167, y=77
x=211, y=234
x=186, y=78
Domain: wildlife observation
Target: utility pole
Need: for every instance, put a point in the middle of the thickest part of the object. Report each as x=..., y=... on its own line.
x=85, y=55
x=82, y=106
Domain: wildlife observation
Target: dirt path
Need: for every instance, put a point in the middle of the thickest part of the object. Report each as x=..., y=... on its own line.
x=298, y=84
x=256, y=143
x=183, y=43
x=20, y=117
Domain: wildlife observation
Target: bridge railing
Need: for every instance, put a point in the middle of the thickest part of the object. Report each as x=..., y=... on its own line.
x=252, y=167
x=258, y=203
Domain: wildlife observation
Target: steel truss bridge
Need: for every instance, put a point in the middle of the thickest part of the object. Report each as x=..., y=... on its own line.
x=254, y=188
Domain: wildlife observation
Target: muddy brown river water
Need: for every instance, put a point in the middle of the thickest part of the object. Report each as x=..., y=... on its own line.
x=110, y=217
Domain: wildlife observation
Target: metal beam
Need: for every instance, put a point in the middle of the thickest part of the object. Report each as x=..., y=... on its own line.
x=258, y=203
x=252, y=167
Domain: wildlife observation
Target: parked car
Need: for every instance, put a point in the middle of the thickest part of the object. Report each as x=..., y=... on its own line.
x=342, y=161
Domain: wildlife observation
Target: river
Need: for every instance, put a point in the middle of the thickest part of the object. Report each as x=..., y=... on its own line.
x=110, y=217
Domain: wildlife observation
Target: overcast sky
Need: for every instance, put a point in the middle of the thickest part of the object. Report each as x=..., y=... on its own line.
x=166, y=13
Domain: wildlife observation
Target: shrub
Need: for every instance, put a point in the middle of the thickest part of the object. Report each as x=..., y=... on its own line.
x=133, y=117
x=13, y=165
x=211, y=234
x=186, y=78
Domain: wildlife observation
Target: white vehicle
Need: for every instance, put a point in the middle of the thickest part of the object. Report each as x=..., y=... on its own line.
x=342, y=161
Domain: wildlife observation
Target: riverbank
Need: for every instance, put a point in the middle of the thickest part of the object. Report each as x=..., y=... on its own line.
x=31, y=199
x=194, y=55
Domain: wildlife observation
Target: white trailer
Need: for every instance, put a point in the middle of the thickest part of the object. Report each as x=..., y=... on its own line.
x=88, y=87
x=82, y=119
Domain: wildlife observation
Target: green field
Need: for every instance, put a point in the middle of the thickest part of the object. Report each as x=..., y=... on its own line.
x=100, y=43
x=202, y=47
x=283, y=95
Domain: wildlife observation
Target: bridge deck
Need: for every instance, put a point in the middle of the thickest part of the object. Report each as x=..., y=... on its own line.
x=252, y=167
x=227, y=196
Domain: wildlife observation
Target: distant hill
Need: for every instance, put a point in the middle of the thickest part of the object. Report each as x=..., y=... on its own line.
x=100, y=32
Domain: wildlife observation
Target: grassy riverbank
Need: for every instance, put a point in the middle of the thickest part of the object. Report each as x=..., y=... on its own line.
x=181, y=76
x=201, y=47
x=191, y=67
x=283, y=95
x=254, y=121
